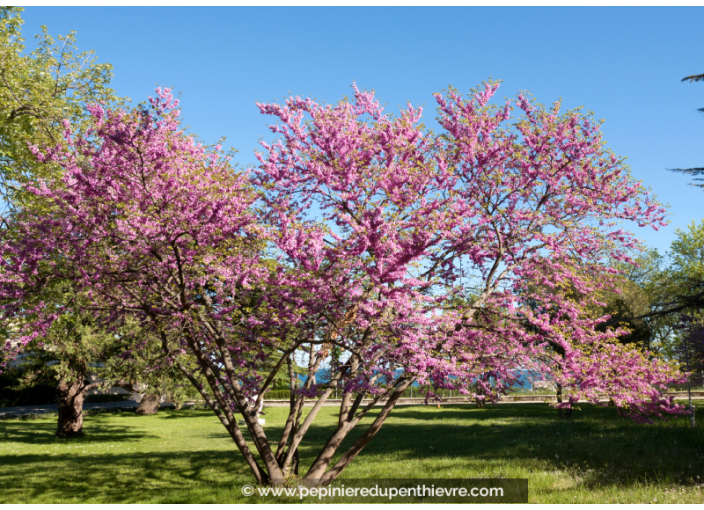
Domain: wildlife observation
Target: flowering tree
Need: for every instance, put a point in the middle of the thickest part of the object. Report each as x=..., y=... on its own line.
x=147, y=224
x=361, y=242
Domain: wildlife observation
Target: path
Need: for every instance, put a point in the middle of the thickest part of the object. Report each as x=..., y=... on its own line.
x=507, y=399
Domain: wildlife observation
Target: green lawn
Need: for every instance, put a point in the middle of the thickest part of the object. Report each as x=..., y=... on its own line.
x=186, y=456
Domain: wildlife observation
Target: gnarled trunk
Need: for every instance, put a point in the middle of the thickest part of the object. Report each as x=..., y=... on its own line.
x=69, y=397
x=148, y=405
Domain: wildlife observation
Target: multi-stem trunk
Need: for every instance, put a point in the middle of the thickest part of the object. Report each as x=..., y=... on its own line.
x=318, y=470
x=224, y=395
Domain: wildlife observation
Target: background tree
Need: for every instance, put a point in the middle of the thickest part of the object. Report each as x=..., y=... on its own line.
x=699, y=170
x=680, y=285
x=145, y=369
x=689, y=294
x=690, y=352
x=74, y=351
x=649, y=283
x=681, y=297
x=38, y=91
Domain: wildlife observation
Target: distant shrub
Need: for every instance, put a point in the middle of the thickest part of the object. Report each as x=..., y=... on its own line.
x=43, y=392
x=278, y=395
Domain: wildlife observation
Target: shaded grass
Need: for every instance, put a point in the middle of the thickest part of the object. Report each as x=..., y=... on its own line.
x=187, y=456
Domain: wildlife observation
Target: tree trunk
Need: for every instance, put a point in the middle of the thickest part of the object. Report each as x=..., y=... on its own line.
x=317, y=470
x=295, y=463
x=148, y=405
x=565, y=412
x=480, y=398
x=69, y=398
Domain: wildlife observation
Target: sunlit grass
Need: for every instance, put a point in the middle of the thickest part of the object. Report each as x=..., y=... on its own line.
x=186, y=456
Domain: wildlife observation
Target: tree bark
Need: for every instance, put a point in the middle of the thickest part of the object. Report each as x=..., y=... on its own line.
x=563, y=412
x=481, y=399
x=69, y=399
x=226, y=417
x=148, y=405
x=317, y=470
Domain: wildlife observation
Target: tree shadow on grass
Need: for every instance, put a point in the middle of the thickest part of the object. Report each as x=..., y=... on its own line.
x=42, y=433
x=597, y=445
x=173, y=414
x=120, y=477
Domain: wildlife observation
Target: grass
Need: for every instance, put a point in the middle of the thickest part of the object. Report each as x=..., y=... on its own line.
x=187, y=457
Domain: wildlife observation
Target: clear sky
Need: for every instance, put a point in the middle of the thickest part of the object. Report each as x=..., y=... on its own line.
x=624, y=64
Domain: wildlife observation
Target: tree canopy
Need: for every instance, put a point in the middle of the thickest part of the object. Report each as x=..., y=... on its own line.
x=361, y=233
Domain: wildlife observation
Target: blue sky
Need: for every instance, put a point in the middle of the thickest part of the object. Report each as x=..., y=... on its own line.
x=624, y=64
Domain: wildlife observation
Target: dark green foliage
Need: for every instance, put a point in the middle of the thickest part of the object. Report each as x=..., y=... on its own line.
x=38, y=90
x=122, y=397
x=14, y=393
x=278, y=394
x=694, y=77
x=693, y=171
